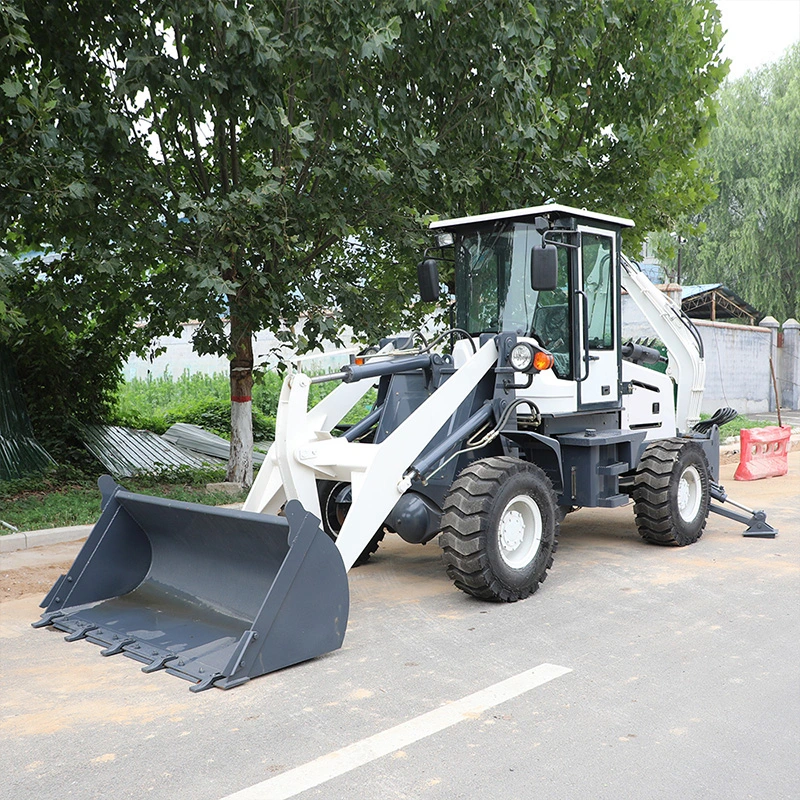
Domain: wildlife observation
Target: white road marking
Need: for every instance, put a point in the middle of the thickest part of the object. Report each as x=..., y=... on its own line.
x=307, y=776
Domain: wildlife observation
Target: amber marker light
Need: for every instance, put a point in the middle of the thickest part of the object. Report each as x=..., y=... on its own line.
x=360, y=361
x=542, y=361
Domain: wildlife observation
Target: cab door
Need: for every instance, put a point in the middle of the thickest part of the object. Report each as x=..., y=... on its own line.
x=597, y=335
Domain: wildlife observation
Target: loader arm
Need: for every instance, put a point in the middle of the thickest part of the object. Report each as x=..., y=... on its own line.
x=305, y=451
x=267, y=494
x=686, y=363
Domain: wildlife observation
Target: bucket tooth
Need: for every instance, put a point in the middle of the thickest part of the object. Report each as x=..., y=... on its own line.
x=48, y=618
x=206, y=683
x=80, y=633
x=214, y=596
x=117, y=648
x=159, y=662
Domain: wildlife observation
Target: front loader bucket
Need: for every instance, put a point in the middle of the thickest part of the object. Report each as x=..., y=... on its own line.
x=212, y=595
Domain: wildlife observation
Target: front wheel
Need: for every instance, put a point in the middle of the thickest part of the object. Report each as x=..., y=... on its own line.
x=499, y=529
x=335, y=499
x=671, y=492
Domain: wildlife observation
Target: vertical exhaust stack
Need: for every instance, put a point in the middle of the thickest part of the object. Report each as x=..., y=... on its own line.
x=212, y=595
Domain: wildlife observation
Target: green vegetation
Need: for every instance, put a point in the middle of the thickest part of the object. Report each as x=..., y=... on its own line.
x=65, y=496
x=220, y=161
x=157, y=403
x=203, y=400
x=733, y=427
x=749, y=237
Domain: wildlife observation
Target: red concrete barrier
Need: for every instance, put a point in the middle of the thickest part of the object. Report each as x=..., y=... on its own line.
x=764, y=453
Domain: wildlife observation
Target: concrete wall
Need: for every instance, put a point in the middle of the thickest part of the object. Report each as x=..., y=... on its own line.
x=179, y=357
x=790, y=365
x=738, y=359
x=737, y=367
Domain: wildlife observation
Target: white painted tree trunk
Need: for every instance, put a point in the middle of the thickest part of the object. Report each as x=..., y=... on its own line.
x=240, y=464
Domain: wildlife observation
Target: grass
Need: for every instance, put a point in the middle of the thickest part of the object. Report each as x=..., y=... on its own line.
x=733, y=427
x=63, y=497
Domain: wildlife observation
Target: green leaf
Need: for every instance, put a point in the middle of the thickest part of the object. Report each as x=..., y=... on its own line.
x=12, y=87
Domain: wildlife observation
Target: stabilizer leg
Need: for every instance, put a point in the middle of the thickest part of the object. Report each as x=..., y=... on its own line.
x=757, y=525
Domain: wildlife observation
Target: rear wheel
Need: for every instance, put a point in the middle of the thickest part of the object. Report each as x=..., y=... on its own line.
x=335, y=499
x=499, y=529
x=671, y=492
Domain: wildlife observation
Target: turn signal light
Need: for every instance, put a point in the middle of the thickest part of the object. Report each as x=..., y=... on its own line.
x=542, y=361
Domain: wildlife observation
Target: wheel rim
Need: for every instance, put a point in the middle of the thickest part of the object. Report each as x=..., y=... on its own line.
x=690, y=494
x=334, y=512
x=520, y=531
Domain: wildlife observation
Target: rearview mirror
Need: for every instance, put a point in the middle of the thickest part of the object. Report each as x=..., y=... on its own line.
x=428, y=277
x=544, y=268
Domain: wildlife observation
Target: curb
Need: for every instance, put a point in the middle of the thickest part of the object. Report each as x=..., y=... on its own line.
x=27, y=539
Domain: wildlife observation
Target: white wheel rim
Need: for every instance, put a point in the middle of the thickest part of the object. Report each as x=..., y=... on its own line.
x=520, y=531
x=690, y=494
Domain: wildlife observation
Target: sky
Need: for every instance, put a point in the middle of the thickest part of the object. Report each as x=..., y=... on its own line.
x=758, y=31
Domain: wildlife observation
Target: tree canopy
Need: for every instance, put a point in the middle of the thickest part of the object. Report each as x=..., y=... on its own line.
x=749, y=237
x=264, y=161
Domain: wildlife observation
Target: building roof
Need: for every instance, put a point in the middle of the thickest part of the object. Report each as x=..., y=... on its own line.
x=715, y=301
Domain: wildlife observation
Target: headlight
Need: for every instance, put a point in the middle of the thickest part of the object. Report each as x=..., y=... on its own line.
x=521, y=357
x=524, y=357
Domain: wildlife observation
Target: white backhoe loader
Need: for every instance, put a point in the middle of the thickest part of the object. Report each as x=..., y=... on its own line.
x=530, y=407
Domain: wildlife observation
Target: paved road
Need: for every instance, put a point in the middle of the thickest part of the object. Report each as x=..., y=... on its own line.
x=684, y=683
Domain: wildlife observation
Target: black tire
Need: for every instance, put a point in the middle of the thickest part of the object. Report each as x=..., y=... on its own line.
x=334, y=503
x=671, y=492
x=499, y=529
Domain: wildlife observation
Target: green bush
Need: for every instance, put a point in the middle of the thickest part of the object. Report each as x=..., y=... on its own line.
x=203, y=400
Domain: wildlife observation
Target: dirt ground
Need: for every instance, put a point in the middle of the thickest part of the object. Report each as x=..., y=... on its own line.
x=30, y=580
x=34, y=571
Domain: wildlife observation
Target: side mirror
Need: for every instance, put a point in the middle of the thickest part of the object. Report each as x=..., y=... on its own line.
x=428, y=277
x=544, y=268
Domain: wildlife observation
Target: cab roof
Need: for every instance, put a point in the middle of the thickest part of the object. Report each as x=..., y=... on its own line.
x=545, y=210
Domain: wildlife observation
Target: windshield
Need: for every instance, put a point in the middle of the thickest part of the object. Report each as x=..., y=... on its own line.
x=493, y=288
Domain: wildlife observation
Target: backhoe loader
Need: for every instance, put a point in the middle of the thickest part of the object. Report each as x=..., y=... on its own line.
x=531, y=406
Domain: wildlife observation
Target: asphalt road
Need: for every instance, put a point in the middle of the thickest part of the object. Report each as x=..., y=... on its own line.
x=684, y=682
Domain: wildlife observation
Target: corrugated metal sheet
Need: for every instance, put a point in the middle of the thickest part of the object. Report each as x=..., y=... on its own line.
x=199, y=440
x=20, y=453
x=125, y=452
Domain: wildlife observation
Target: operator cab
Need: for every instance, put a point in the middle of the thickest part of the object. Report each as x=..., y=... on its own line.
x=576, y=318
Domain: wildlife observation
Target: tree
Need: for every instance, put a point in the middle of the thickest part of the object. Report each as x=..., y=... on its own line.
x=749, y=237
x=266, y=161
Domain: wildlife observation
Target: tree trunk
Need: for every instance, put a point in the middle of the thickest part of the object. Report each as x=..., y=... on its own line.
x=240, y=463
